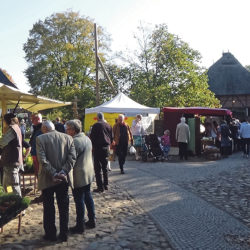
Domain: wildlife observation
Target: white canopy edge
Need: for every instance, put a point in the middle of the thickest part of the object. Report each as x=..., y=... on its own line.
x=122, y=104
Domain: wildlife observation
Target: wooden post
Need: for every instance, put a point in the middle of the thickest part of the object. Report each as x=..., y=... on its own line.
x=96, y=67
x=4, y=111
x=75, y=108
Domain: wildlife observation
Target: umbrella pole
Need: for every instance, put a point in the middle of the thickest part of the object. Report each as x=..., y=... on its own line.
x=4, y=111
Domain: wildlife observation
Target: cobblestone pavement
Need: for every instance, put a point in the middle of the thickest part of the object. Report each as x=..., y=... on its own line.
x=121, y=224
x=198, y=205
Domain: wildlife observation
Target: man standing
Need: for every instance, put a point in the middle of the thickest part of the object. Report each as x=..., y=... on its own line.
x=83, y=175
x=56, y=155
x=101, y=137
x=245, y=135
x=36, y=119
x=59, y=126
x=182, y=137
x=122, y=136
x=11, y=157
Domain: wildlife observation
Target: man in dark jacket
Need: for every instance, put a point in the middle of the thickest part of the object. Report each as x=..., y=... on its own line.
x=101, y=137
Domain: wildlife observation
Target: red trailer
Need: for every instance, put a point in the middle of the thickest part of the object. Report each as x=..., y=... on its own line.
x=172, y=117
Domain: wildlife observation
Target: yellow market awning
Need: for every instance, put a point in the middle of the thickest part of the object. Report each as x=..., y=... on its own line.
x=10, y=96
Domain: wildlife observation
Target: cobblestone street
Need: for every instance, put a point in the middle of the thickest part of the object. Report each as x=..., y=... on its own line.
x=163, y=205
x=199, y=205
x=121, y=224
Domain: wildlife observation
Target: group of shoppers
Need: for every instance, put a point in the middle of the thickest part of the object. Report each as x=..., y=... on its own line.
x=61, y=160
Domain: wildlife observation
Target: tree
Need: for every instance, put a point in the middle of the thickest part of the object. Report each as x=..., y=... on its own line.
x=61, y=58
x=166, y=72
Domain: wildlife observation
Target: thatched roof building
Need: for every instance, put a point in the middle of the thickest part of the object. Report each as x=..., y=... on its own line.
x=230, y=82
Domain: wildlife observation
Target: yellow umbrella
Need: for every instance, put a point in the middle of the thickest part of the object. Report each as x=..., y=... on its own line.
x=10, y=96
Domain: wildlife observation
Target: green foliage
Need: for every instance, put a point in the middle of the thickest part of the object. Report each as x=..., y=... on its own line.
x=61, y=58
x=166, y=72
x=1, y=190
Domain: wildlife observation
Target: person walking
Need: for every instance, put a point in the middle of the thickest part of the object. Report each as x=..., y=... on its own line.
x=83, y=176
x=245, y=135
x=182, y=137
x=122, y=136
x=11, y=157
x=137, y=132
x=56, y=156
x=101, y=137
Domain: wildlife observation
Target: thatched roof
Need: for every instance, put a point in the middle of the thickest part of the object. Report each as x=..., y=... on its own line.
x=5, y=80
x=228, y=77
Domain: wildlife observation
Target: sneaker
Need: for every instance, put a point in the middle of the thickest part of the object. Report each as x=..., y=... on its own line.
x=106, y=187
x=77, y=230
x=90, y=224
x=122, y=172
x=247, y=156
x=63, y=237
x=98, y=190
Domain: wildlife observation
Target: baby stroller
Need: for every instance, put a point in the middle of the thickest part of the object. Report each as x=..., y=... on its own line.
x=151, y=148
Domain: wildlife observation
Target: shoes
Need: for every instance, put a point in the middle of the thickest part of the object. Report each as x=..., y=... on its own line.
x=38, y=199
x=63, y=237
x=50, y=237
x=77, y=230
x=122, y=172
x=106, y=187
x=90, y=224
x=98, y=190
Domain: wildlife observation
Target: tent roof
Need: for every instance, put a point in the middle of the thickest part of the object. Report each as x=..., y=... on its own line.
x=26, y=100
x=198, y=111
x=122, y=104
x=5, y=80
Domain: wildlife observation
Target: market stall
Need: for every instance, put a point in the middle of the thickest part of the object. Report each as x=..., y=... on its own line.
x=121, y=104
x=193, y=117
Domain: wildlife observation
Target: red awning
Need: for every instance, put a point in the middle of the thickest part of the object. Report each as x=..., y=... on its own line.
x=198, y=111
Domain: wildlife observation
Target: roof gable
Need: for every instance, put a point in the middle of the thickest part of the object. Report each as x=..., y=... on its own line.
x=228, y=77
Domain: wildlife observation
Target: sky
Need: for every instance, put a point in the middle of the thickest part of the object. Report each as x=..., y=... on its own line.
x=209, y=26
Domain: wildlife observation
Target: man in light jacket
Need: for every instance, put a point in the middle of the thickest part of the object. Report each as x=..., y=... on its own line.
x=182, y=137
x=56, y=156
x=83, y=175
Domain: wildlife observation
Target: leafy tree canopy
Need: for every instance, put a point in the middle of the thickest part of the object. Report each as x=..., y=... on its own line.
x=165, y=71
x=61, y=57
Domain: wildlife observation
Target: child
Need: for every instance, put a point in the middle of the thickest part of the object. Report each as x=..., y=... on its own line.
x=165, y=141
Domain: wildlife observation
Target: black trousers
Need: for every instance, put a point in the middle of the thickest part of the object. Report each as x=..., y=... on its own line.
x=101, y=164
x=183, y=150
x=246, y=145
x=62, y=197
x=121, y=152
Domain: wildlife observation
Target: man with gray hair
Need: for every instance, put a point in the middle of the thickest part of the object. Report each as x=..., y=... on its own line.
x=101, y=137
x=183, y=137
x=56, y=156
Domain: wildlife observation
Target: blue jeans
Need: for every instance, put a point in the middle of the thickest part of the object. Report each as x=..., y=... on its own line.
x=166, y=150
x=82, y=196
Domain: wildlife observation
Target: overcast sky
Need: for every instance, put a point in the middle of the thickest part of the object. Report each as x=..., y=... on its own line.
x=210, y=27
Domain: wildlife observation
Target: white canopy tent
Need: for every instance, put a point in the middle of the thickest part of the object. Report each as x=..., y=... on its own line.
x=122, y=104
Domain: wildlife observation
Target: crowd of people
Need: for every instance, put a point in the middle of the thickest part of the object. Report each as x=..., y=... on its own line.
x=64, y=157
